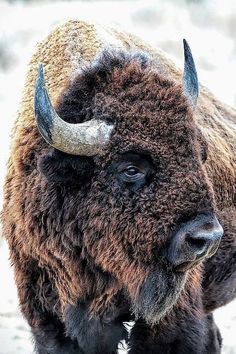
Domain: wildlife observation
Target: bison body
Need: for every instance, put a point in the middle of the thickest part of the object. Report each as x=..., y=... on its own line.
x=102, y=239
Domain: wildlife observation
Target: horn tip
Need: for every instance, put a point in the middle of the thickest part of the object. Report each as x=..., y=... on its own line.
x=187, y=50
x=40, y=71
x=40, y=67
x=42, y=107
x=190, y=77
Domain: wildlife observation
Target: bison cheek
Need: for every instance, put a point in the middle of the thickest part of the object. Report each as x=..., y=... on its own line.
x=157, y=295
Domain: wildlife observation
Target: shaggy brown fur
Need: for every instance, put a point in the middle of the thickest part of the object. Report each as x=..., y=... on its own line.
x=86, y=248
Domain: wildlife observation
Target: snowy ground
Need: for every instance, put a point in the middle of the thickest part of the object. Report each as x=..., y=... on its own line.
x=209, y=26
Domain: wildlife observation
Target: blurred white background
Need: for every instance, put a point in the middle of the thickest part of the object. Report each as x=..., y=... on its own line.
x=208, y=25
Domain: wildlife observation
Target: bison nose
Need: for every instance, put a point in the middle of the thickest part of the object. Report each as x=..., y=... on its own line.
x=194, y=241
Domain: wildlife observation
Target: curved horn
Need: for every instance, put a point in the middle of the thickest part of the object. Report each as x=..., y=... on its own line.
x=190, y=79
x=86, y=138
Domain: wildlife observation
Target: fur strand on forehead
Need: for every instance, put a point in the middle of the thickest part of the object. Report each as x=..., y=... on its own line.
x=76, y=100
x=117, y=82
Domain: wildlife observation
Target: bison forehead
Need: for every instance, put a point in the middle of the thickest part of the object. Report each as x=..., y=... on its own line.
x=127, y=90
x=148, y=124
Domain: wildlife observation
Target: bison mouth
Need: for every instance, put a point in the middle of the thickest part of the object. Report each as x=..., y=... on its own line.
x=158, y=294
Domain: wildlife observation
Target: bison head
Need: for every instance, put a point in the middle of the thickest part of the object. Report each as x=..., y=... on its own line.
x=133, y=170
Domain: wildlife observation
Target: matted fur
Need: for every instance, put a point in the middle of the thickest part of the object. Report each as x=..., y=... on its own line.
x=75, y=235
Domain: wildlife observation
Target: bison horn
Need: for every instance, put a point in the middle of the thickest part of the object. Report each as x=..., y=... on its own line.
x=87, y=138
x=190, y=79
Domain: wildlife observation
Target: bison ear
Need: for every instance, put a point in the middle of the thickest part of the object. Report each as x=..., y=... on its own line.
x=63, y=169
x=190, y=78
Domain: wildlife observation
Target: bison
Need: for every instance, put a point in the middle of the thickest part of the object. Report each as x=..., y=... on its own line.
x=116, y=198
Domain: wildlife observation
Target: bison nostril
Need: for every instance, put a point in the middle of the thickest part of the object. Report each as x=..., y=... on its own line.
x=194, y=241
x=198, y=244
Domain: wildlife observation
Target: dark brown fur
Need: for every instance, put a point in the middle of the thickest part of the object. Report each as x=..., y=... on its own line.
x=87, y=248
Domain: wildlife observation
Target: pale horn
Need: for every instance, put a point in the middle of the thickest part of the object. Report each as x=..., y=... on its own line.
x=87, y=138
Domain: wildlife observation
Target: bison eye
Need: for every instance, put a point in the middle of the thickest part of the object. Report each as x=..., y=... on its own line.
x=133, y=170
x=132, y=173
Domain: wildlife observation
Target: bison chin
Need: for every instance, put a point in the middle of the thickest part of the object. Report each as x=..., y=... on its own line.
x=157, y=295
